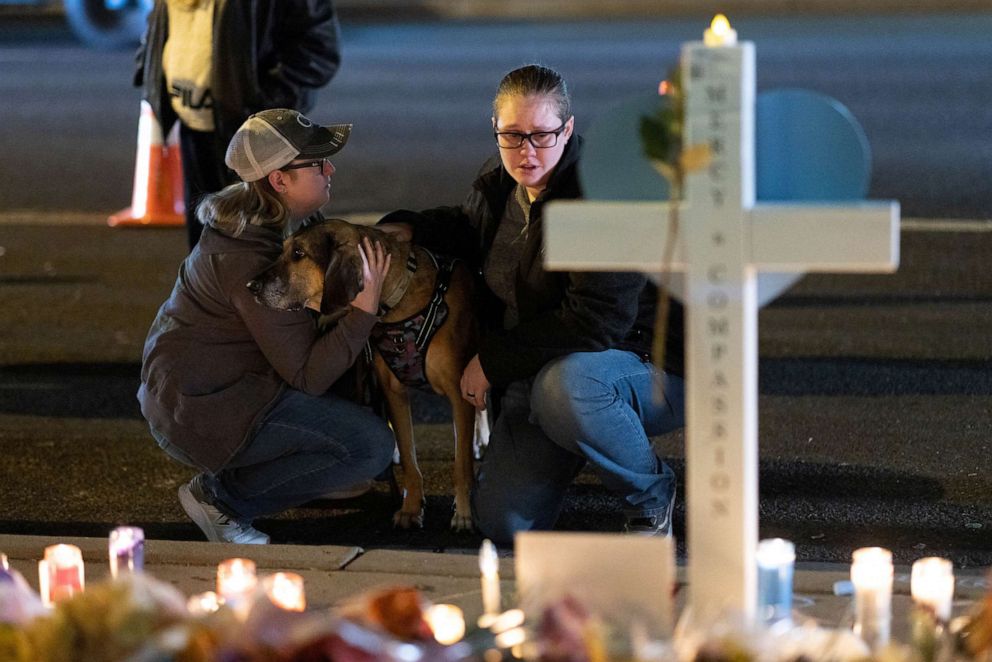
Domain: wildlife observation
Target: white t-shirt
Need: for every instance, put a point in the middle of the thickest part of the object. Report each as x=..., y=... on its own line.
x=187, y=62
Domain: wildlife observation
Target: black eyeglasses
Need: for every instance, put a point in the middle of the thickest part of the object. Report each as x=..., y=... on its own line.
x=319, y=165
x=539, y=139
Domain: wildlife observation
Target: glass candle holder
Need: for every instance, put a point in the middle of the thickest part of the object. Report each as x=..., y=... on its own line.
x=871, y=574
x=127, y=550
x=236, y=582
x=776, y=562
x=60, y=573
x=285, y=590
x=932, y=585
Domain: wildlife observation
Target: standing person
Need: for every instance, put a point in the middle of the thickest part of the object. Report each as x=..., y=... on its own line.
x=238, y=390
x=211, y=63
x=564, y=361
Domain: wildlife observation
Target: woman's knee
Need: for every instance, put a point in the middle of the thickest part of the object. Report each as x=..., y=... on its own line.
x=564, y=390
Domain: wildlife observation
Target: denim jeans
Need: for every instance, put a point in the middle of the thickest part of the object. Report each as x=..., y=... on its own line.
x=305, y=447
x=587, y=407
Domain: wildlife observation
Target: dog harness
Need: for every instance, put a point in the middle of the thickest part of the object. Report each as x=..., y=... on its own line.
x=403, y=344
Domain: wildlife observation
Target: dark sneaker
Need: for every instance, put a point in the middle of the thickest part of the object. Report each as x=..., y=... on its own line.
x=216, y=526
x=658, y=525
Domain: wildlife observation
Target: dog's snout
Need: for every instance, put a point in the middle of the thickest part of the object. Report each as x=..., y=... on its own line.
x=254, y=286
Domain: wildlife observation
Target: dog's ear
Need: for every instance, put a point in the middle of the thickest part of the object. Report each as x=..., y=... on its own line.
x=343, y=279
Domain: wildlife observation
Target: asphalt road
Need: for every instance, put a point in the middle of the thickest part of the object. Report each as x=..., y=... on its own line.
x=875, y=390
x=419, y=94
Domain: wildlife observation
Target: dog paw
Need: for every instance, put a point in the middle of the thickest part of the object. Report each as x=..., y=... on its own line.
x=404, y=520
x=462, y=523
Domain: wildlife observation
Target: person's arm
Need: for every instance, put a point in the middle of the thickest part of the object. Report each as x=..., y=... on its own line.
x=598, y=311
x=289, y=340
x=307, y=37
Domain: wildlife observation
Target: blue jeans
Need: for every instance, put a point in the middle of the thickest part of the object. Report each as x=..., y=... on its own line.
x=595, y=407
x=305, y=447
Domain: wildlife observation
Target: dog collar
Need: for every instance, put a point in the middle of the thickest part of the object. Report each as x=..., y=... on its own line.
x=403, y=282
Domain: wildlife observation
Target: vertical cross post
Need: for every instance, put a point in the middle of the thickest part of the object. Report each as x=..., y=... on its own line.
x=721, y=350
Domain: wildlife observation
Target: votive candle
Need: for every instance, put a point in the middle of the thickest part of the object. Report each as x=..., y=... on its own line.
x=285, y=590
x=236, y=581
x=127, y=550
x=932, y=585
x=61, y=574
x=871, y=574
x=776, y=560
x=447, y=623
x=203, y=603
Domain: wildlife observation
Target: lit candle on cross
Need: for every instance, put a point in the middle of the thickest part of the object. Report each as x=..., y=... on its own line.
x=489, y=567
x=127, y=550
x=720, y=33
x=871, y=574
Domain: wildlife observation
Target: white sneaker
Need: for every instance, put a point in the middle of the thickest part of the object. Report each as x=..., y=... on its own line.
x=216, y=526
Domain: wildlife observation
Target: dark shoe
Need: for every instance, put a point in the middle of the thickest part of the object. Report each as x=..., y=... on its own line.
x=657, y=525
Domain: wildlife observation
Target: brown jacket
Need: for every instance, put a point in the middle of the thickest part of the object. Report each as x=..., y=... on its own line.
x=215, y=360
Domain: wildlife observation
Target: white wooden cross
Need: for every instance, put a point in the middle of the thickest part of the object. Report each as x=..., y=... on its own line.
x=724, y=240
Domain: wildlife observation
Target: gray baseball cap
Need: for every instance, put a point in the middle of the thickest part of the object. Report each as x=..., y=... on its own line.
x=271, y=139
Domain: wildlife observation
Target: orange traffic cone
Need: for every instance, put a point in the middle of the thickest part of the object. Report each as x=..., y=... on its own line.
x=158, y=177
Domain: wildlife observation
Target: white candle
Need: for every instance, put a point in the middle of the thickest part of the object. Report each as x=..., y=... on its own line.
x=776, y=559
x=720, y=33
x=61, y=574
x=285, y=590
x=871, y=574
x=447, y=623
x=127, y=550
x=489, y=566
x=236, y=581
x=932, y=585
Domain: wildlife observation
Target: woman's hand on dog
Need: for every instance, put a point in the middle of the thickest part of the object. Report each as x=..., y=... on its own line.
x=375, y=266
x=474, y=384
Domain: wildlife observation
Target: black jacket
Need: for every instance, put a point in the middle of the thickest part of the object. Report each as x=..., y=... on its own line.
x=266, y=54
x=559, y=312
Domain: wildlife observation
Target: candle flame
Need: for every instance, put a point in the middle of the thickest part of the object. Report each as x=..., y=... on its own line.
x=720, y=25
x=488, y=559
x=285, y=590
x=447, y=623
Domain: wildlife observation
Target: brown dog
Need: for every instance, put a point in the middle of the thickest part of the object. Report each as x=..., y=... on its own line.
x=320, y=267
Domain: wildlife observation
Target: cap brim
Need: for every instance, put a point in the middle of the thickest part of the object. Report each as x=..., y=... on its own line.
x=326, y=140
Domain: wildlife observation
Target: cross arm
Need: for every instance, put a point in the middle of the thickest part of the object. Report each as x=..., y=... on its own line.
x=783, y=237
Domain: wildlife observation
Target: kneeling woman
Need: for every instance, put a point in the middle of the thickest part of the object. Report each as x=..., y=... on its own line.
x=238, y=390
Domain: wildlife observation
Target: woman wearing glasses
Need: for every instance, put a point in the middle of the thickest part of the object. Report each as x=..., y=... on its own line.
x=238, y=390
x=564, y=360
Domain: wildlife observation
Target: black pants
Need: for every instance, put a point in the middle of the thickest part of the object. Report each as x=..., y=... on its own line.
x=204, y=171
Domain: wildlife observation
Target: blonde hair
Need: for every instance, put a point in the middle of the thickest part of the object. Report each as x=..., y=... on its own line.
x=535, y=80
x=239, y=205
